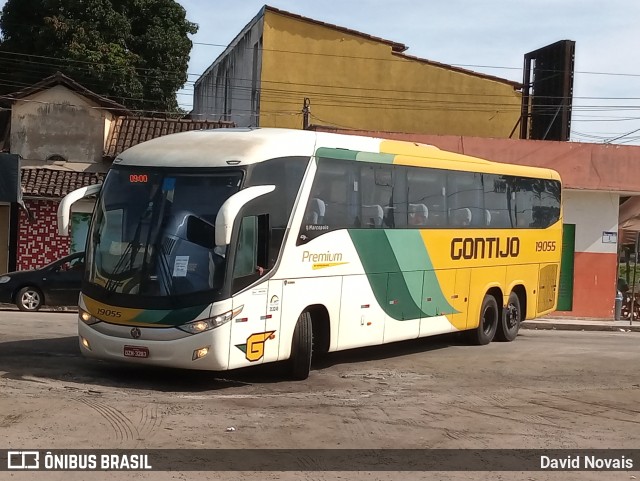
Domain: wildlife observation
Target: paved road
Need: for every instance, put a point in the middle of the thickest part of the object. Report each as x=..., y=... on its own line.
x=548, y=389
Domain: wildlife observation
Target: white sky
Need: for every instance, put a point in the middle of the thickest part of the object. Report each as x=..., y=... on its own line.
x=489, y=36
x=470, y=33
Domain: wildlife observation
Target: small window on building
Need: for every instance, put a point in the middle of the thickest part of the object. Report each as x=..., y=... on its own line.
x=55, y=158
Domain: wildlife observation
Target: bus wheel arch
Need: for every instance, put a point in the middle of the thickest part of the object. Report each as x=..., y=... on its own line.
x=311, y=336
x=301, y=347
x=321, y=325
x=488, y=317
x=512, y=315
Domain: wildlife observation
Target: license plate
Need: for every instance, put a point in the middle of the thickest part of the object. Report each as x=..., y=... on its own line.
x=136, y=351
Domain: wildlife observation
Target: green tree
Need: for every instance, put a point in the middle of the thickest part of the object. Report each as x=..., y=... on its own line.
x=135, y=52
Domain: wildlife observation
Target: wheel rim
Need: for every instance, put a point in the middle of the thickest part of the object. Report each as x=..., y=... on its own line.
x=30, y=299
x=512, y=316
x=489, y=320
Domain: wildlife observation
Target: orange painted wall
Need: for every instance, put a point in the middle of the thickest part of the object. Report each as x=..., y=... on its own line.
x=594, y=281
x=582, y=166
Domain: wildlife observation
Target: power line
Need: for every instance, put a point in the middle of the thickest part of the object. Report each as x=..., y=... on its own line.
x=622, y=136
x=404, y=58
x=297, y=113
x=329, y=99
x=367, y=99
x=497, y=67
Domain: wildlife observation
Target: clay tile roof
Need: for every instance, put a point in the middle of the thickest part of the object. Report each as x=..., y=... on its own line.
x=129, y=131
x=60, y=79
x=47, y=182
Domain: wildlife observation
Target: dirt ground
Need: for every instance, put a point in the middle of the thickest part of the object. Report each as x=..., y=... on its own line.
x=546, y=390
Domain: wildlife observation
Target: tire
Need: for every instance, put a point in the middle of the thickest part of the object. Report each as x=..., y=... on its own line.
x=636, y=311
x=488, y=324
x=625, y=312
x=29, y=299
x=511, y=319
x=301, y=348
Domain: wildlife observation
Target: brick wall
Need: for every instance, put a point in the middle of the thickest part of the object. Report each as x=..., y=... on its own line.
x=38, y=239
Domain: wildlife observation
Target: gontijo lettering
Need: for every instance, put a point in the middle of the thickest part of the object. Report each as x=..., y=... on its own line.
x=484, y=247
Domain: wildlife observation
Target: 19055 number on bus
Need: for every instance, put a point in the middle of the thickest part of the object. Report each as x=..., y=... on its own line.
x=545, y=246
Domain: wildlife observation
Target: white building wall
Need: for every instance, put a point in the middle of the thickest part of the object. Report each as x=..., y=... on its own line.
x=593, y=213
x=230, y=88
x=57, y=121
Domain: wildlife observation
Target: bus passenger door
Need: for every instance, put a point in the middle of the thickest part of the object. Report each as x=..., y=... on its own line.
x=249, y=333
x=272, y=321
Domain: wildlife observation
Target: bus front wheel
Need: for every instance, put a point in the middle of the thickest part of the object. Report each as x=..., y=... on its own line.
x=511, y=319
x=301, y=348
x=488, y=323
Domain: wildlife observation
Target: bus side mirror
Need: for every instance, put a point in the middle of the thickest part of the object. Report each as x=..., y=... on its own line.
x=64, y=208
x=231, y=207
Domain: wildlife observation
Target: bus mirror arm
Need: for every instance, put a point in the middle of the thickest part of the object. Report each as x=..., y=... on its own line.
x=64, y=208
x=230, y=209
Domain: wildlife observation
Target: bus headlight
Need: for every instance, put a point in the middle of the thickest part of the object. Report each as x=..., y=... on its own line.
x=86, y=317
x=202, y=325
x=85, y=343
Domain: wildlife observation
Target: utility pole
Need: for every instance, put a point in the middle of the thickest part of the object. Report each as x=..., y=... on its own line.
x=306, y=109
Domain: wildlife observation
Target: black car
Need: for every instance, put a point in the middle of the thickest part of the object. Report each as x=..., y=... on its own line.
x=56, y=284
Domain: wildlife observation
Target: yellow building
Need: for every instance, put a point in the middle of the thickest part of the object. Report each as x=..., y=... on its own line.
x=351, y=80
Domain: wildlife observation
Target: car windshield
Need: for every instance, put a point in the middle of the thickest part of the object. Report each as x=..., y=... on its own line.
x=153, y=232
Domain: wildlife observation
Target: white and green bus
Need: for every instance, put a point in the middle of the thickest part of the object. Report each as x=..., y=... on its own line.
x=225, y=248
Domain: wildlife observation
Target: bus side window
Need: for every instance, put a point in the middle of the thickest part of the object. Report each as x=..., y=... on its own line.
x=427, y=197
x=252, y=251
x=246, y=252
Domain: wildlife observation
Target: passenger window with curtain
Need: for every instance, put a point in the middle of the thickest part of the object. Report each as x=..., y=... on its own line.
x=427, y=201
x=465, y=199
x=498, y=201
x=537, y=202
x=377, y=196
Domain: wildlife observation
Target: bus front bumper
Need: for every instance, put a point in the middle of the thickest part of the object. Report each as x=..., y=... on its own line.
x=179, y=353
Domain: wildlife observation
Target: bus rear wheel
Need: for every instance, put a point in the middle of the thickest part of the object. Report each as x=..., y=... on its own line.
x=511, y=318
x=488, y=324
x=301, y=348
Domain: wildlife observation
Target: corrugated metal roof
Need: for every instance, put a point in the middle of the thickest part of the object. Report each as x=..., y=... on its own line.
x=129, y=131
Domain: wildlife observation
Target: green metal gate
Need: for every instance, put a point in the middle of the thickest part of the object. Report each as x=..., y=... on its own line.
x=565, y=293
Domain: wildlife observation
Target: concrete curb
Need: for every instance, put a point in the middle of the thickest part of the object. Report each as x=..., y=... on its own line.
x=619, y=326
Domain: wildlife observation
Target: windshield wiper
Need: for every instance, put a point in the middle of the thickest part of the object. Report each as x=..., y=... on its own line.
x=132, y=249
x=112, y=284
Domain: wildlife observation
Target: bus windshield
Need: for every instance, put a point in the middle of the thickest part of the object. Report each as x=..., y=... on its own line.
x=153, y=232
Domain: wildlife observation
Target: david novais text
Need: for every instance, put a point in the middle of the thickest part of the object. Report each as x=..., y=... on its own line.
x=586, y=462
